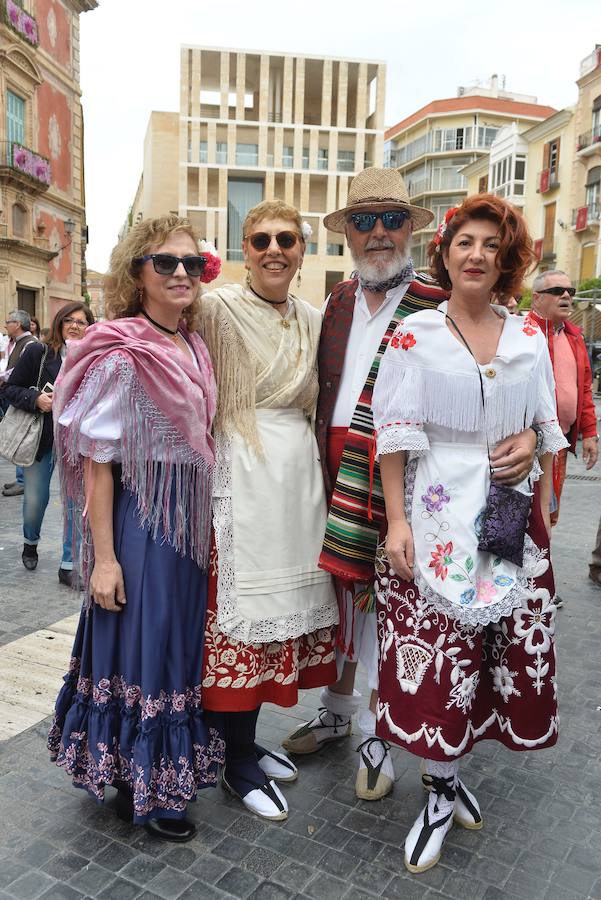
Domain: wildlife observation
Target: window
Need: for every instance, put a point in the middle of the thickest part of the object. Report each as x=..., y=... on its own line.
x=311, y=248
x=322, y=158
x=508, y=176
x=19, y=217
x=346, y=160
x=593, y=183
x=247, y=154
x=549, y=233
x=305, y=157
x=221, y=153
x=241, y=196
x=203, y=153
x=596, y=123
x=15, y=118
x=483, y=184
x=288, y=157
x=335, y=249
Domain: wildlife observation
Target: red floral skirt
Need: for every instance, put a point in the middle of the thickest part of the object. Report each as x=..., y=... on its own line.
x=238, y=677
x=444, y=686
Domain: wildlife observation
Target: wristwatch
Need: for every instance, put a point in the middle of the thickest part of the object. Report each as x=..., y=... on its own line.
x=539, y=439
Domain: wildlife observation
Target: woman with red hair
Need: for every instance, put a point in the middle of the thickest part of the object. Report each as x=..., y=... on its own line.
x=465, y=588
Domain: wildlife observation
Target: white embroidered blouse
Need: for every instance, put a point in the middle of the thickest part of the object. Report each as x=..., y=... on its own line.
x=428, y=401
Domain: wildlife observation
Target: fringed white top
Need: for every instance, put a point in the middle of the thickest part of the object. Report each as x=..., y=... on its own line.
x=428, y=377
x=428, y=400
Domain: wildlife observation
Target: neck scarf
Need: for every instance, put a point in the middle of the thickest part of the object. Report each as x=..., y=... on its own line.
x=380, y=287
x=166, y=407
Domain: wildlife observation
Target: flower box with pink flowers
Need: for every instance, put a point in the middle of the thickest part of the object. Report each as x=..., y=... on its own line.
x=20, y=21
x=25, y=160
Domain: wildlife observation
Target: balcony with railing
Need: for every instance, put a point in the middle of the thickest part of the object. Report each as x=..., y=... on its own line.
x=449, y=140
x=436, y=181
x=547, y=180
x=31, y=170
x=19, y=21
x=584, y=217
x=589, y=142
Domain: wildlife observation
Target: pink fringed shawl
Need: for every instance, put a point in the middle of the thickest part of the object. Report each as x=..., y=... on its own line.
x=166, y=406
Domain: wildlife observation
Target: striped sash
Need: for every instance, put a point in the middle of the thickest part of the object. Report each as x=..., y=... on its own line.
x=357, y=510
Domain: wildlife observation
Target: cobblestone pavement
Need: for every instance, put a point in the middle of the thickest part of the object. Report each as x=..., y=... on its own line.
x=542, y=834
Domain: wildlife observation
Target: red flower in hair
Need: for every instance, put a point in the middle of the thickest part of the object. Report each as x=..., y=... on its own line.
x=443, y=225
x=212, y=268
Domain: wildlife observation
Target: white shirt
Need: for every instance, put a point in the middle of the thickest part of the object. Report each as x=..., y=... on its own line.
x=365, y=336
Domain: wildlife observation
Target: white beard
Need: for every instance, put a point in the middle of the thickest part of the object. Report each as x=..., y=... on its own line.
x=381, y=270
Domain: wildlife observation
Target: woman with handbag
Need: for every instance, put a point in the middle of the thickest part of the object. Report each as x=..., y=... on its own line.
x=39, y=366
x=465, y=587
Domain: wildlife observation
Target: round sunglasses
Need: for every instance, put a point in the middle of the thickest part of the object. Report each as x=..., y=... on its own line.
x=392, y=220
x=260, y=240
x=166, y=263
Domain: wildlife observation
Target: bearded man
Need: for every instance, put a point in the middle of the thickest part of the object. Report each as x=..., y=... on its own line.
x=359, y=319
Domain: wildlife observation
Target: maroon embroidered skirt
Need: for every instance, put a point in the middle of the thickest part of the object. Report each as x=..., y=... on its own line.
x=444, y=686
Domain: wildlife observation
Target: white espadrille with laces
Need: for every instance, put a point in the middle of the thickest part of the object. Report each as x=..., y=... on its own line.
x=375, y=777
x=424, y=842
x=332, y=723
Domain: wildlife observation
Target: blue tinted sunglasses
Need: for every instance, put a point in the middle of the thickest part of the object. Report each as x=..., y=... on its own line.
x=392, y=220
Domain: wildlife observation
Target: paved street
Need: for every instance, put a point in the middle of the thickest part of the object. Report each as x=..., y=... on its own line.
x=542, y=832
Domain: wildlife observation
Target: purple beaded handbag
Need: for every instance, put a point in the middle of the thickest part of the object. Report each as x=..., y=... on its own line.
x=505, y=516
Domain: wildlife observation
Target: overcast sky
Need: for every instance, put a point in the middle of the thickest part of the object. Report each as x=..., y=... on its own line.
x=130, y=64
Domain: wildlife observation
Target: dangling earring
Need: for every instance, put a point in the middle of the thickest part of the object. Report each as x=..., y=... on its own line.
x=298, y=277
x=140, y=295
x=248, y=282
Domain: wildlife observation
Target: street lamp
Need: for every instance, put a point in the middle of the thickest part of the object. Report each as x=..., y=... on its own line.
x=69, y=227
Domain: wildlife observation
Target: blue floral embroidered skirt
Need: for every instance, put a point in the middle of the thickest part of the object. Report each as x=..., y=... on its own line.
x=130, y=709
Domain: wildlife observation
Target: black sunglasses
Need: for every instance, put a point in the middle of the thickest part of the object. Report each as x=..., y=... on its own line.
x=260, y=240
x=558, y=291
x=166, y=263
x=391, y=221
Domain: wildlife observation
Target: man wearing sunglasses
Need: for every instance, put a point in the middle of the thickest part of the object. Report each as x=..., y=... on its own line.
x=360, y=317
x=552, y=294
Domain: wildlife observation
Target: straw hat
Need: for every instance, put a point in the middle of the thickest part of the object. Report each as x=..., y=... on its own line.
x=373, y=187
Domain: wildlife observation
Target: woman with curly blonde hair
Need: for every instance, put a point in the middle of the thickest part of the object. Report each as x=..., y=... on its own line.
x=134, y=408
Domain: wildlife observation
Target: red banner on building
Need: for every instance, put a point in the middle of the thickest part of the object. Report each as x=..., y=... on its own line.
x=581, y=218
x=544, y=181
x=538, y=249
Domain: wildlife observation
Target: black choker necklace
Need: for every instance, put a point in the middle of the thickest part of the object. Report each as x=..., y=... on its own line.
x=157, y=324
x=266, y=299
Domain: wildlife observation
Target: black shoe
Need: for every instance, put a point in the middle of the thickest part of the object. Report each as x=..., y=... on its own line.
x=8, y=485
x=177, y=830
x=15, y=490
x=69, y=578
x=124, y=804
x=30, y=556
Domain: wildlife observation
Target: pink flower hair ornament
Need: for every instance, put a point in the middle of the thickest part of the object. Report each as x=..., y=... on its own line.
x=440, y=231
x=213, y=262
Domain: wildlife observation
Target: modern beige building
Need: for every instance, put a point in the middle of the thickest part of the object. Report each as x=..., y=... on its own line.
x=586, y=173
x=254, y=126
x=42, y=218
x=432, y=146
